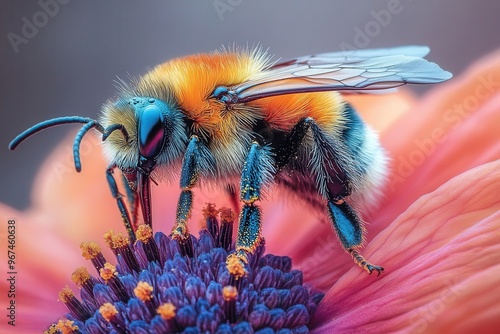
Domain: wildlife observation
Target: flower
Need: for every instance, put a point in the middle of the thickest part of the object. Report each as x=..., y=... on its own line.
x=436, y=231
x=162, y=286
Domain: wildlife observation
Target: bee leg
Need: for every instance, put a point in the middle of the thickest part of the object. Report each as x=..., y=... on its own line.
x=121, y=205
x=350, y=230
x=133, y=202
x=197, y=160
x=289, y=148
x=332, y=183
x=257, y=171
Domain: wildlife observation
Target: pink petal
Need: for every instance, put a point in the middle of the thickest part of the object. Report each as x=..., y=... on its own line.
x=43, y=264
x=453, y=129
x=442, y=259
x=472, y=142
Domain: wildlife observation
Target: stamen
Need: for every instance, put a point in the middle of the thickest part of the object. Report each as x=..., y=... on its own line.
x=210, y=214
x=236, y=270
x=63, y=326
x=227, y=217
x=230, y=294
x=82, y=279
x=144, y=235
x=52, y=329
x=108, y=239
x=166, y=311
x=91, y=251
x=235, y=267
x=187, y=248
x=144, y=291
x=110, y=313
x=120, y=245
x=66, y=326
x=76, y=308
x=160, y=290
x=109, y=274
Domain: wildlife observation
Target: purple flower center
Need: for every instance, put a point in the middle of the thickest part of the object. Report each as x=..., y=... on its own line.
x=162, y=286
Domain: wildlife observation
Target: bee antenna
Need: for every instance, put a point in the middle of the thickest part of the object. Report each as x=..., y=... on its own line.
x=89, y=124
x=110, y=129
x=78, y=140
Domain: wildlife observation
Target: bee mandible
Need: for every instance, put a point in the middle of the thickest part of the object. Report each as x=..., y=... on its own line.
x=235, y=115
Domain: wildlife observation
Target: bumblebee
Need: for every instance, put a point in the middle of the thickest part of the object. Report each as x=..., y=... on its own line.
x=236, y=115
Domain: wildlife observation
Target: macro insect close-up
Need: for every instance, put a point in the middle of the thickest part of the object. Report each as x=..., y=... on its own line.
x=235, y=116
x=232, y=166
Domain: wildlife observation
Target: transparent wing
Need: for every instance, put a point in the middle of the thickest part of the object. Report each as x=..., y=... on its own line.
x=350, y=71
x=356, y=55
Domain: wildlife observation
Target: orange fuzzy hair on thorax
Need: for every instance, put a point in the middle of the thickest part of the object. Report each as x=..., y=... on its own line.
x=193, y=78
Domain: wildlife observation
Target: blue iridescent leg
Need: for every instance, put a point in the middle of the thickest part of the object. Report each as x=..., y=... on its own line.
x=350, y=230
x=121, y=205
x=257, y=172
x=333, y=183
x=197, y=161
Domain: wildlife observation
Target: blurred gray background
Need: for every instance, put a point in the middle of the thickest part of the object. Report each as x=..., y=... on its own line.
x=67, y=64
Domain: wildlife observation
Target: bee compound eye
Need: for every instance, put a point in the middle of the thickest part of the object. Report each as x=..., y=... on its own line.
x=219, y=92
x=151, y=131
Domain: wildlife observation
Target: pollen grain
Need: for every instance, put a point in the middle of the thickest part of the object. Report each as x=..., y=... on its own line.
x=166, y=311
x=143, y=291
x=66, y=294
x=80, y=276
x=144, y=233
x=108, y=272
x=90, y=250
x=108, y=311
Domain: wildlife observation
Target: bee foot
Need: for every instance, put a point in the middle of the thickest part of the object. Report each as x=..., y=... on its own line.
x=363, y=263
x=370, y=268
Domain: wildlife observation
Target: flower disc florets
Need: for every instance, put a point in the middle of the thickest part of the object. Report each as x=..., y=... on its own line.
x=156, y=287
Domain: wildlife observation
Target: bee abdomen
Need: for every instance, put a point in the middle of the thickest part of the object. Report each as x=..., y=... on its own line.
x=369, y=159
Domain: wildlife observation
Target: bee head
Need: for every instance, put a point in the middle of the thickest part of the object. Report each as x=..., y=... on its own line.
x=153, y=134
x=156, y=133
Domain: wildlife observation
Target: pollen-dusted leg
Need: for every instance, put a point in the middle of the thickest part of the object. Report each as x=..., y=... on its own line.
x=249, y=229
x=257, y=171
x=121, y=205
x=331, y=182
x=197, y=160
x=350, y=230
